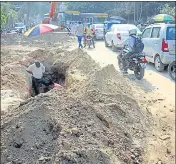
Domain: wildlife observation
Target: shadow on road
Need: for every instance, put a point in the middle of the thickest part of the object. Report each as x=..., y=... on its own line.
x=165, y=74
x=143, y=84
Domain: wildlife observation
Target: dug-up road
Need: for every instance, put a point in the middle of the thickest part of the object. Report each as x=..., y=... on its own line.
x=156, y=86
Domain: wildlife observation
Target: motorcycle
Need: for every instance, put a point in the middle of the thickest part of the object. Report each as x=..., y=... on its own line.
x=136, y=63
x=172, y=70
x=89, y=41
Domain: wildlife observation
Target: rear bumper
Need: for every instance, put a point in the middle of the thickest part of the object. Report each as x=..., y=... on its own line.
x=118, y=45
x=99, y=35
x=167, y=58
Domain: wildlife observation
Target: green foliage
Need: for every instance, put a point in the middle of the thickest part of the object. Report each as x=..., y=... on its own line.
x=7, y=13
x=3, y=19
x=98, y=7
x=168, y=10
x=128, y=10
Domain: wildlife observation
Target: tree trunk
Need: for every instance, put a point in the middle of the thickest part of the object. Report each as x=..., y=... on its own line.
x=134, y=12
x=140, y=12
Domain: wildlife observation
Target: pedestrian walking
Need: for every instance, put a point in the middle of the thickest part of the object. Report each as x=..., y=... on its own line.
x=79, y=33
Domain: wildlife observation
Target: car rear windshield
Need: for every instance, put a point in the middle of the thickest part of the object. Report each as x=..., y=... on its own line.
x=99, y=26
x=126, y=28
x=170, y=33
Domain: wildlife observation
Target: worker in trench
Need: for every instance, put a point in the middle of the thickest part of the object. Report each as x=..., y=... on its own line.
x=37, y=70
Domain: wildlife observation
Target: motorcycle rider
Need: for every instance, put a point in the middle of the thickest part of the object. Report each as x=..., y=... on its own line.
x=36, y=70
x=88, y=31
x=129, y=42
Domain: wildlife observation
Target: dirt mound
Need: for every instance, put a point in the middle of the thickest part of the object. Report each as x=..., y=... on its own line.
x=45, y=40
x=96, y=120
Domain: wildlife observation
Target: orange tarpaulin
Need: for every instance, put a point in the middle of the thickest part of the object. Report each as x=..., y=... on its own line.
x=52, y=9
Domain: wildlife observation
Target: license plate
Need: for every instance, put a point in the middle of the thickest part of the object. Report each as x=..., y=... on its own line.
x=143, y=65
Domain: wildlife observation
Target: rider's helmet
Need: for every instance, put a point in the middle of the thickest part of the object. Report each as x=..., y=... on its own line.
x=132, y=31
x=88, y=24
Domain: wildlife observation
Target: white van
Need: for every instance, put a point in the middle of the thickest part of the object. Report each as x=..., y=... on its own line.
x=159, y=44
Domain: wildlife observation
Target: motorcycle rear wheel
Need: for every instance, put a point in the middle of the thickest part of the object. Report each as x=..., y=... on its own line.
x=172, y=70
x=93, y=45
x=139, y=73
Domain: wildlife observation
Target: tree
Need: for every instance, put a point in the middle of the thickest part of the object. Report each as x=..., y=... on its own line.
x=3, y=19
x=129, y=10
x=8, y=15
x=168, y=10
x=32, y=9
x=92, y=7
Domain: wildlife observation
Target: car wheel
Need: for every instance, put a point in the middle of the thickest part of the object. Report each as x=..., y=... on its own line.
x=114, y=49
x=106, y=44
x=158, y=64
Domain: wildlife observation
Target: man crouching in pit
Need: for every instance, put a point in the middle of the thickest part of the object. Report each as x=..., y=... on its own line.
x=36, y=70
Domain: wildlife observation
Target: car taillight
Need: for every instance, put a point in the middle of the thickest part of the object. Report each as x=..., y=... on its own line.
x=118, y=36
x=164, y=47
x=143, y=60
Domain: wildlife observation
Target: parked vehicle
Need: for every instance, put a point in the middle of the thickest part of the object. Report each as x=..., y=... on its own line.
x=159, y=44
x=172, y=70
x=108, y=24
x=98, y=28
x=137, y=63
x=89, y=41
x=117, y=34
x=20, y=27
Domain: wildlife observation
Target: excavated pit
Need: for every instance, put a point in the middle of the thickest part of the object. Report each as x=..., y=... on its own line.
x=54, y=74
x=93, y=119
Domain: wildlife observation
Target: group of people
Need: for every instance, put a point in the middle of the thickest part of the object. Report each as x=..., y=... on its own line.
x=37, y=69
x=81, y=32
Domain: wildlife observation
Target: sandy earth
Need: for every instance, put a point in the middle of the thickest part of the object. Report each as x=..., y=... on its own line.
x=156, y=86
x=99, y=90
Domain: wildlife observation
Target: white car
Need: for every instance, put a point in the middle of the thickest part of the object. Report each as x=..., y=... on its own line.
x=159, y=44
x=117, y=34
x=20, y=26
x=98, y=28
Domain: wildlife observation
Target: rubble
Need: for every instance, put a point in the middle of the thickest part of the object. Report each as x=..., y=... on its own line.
x=91, y=120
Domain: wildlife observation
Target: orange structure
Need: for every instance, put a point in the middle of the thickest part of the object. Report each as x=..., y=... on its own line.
x=52, y=9
x=52, y=13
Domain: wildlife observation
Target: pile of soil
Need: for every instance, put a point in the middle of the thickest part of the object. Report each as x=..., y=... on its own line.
x=95, y=119
x=45, y=40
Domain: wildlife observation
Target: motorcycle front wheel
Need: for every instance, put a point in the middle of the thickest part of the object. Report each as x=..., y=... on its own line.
x=139, y=73
x=120, y=63
x=89, y=43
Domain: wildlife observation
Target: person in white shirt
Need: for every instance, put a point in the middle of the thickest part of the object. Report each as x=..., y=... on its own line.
x=36, y=70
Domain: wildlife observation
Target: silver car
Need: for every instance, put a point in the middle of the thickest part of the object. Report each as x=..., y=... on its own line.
x=98, y=28
x=159, y=44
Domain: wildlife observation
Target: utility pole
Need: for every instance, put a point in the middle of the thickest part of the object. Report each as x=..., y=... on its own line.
x=141, y=12
x=134, y=12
